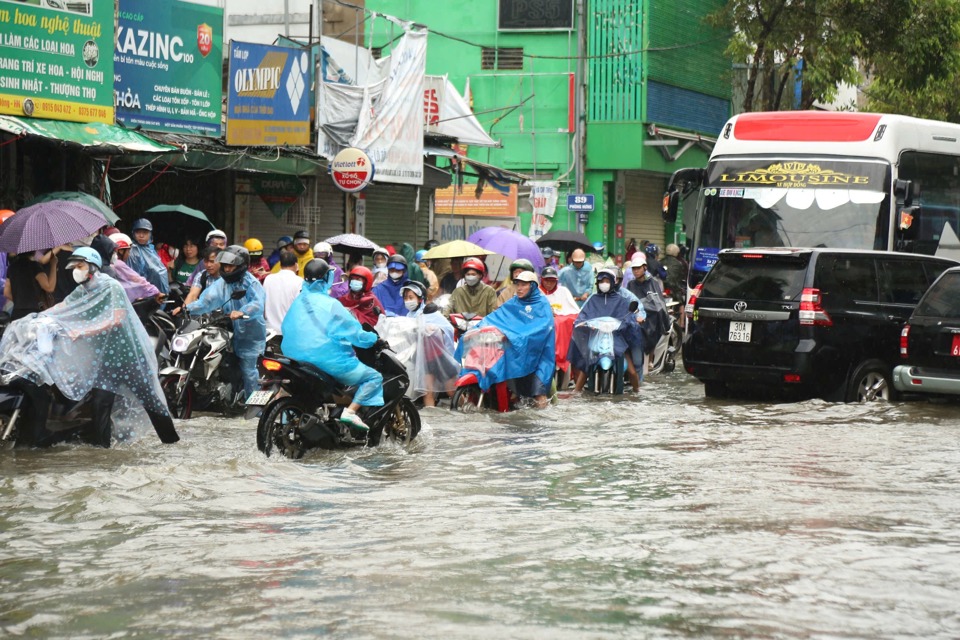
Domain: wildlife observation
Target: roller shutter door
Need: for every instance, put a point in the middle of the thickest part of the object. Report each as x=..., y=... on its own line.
x=644, y=201
x=392, y=216
x=320, y=210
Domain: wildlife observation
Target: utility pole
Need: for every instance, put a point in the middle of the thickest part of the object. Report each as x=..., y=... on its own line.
x=580, y=131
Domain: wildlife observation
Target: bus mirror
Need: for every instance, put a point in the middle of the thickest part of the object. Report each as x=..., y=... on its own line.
x=671, y=202
x=903, y=192
x=908, y=222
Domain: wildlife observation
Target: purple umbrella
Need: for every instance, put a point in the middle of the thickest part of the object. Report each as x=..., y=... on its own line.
x=508, y=243
x=46, y=225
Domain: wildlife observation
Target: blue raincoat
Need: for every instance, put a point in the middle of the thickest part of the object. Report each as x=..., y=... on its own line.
x=249, y=336
x=530, y=348
x=144, y=260
x=599, y=305
x=389, y=295
x=319, y=330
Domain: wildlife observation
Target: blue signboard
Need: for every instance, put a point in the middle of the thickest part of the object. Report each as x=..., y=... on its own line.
x=705, y=258
x=168, y=67
x=580, y=202
x=268, y=102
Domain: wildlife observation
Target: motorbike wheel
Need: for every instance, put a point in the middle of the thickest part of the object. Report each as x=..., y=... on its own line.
x=180, y=405
x=466, y=399
x=277, y=429
x=406, y=423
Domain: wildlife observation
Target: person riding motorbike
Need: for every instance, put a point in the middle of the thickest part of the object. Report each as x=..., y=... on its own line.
x=259, y=267
x=654, y=268
x=250, y=333
x=649, y=290
x=134, y=285
x=432, y=282
x=676, y=280
x=435, y=369
x=102, y=350
x=380, y=257
x=529, y=360
x=144, y=258
x=474, y=296
x=509, y=289
x=578, y=276
x=320, y=331
x=607, y=302
x=284, y=244
x=359, y=300
x=388, y=291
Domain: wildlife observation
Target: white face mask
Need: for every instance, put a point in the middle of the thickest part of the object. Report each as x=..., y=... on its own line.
x=356, y=285
x=411, y=305
x=471, y=280
x=395, y=275
x=604, y=287
x=79, y=275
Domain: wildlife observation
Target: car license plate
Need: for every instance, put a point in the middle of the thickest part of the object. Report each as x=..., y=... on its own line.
x=955, y=346
x=740, y=331
x=260, y=398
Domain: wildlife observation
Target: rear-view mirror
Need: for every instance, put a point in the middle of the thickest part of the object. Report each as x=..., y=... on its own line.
x=239, y=294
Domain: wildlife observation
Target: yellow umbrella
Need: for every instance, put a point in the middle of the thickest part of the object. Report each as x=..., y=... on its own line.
x=456, y=249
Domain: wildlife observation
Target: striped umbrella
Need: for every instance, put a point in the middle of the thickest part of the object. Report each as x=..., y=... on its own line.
x=48, y=224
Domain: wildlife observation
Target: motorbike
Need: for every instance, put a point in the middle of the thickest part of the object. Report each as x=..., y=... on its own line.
x=482, y=349
x=663, y=358
x=606, y=370
x=204, y=373
x=160, y=327
x=299, y=406
x=463, y=322
x=401, y=333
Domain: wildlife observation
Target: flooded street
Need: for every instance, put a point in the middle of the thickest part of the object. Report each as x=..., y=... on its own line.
x=663, y=516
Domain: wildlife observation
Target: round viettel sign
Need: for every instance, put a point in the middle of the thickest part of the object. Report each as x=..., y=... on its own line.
x=351, y=170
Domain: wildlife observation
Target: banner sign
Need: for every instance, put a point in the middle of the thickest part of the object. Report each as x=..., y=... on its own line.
x=390, y=129
x=268, y=102
x=55, y=60
x=462, y=227
x=278, y=192
x=168, y=67
x=490, y=203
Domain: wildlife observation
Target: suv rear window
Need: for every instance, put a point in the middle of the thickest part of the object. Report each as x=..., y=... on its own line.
x=766, y=278
x=943, y=298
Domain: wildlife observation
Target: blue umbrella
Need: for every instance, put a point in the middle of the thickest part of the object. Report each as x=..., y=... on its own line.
x=508, y=243
x=46, y=225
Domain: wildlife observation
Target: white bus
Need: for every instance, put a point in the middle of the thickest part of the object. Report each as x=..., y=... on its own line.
x=823, y=179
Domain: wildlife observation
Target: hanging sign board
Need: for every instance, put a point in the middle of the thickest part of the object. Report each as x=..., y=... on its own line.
x=278, y=192
x=351, y=170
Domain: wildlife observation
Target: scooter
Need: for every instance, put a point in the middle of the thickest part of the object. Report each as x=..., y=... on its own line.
x=606, y=369
x=482, y=349
x=663, y=358
x=299, y=406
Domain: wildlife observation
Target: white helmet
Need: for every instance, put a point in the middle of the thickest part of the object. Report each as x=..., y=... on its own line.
x=323, y=247
x=122, y=240
x=216, y=233
x=638, y=259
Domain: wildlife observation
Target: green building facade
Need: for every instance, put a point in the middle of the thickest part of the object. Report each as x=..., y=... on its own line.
x=655, y=93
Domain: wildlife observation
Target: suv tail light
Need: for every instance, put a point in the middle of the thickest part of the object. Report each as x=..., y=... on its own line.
x=904, y=338
x=688, y=310
x=811, y=313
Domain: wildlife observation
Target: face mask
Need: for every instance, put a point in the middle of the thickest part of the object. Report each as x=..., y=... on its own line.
x=379, y=268
x=471, y=280
x=356, y=286
x=396, y=275
x=604, y=287
x=411, y=305
x=79, y=275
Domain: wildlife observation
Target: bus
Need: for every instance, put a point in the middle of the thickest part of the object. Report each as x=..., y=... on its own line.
x=822, y=179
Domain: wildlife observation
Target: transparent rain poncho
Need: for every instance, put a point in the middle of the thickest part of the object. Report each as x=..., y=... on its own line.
x=424, y=344
x=145, y=260
x=93, y=339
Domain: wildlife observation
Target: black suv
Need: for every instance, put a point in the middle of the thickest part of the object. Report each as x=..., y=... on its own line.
x=815, y=322
x=930, y=341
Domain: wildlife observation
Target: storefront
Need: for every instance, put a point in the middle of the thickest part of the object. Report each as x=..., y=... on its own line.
x=644, y=199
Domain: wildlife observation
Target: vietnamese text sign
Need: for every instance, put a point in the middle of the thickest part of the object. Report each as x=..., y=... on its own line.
x=462, y=227
x=55, y=62
x=580, y=202
x=278, y=192
x=268, y=102
x=490, y=203
x=168, y=66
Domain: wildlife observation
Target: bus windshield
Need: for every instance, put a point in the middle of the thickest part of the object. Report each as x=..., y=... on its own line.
x=764, y=202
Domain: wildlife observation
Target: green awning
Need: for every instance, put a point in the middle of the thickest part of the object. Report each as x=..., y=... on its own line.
x=94, y=137
x=233, y=159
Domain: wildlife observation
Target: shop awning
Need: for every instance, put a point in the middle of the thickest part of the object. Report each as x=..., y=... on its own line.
x=484, y=170
x=95, y=138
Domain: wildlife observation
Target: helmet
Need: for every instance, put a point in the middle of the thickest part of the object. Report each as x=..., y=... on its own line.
x=301, y=235
x=315, y=270
x=122, y=240
x=238, y=257
x=254, y=246
x=638, y=259
x=85, y=254
x=4, y=214
x=418, y=256
x=283, y=241
x=548, y=272
x=362, y=272
x=322, y=247
x=430, y=244
x=607, y=273
x=141, y=223
x=547, y=253
x=416, y=287
x=528, y=276
x=521, y=263
x=651, y=250
x=598, y=247
x=216, y=233
x=474, y=263
x=396, y=259
x=672, y=250
x=381, y=251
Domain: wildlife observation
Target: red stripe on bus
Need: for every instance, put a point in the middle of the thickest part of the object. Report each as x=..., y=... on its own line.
x=806, y=126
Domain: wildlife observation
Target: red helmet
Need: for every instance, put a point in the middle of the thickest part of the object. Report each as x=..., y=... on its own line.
x=474, y=263
x=366, y=274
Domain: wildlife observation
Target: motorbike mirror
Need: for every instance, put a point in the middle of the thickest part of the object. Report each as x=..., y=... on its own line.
x=366, y=327
x=634, y=305
x=238, y=294
x=469, y=316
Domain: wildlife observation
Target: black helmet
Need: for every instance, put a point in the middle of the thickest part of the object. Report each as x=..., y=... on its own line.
x=301, y=235
x=237, y=256
x=547, y=253
x=315, y=270
x=396, y=259
x=430, y=244
x=416, y=287
x=548, y=272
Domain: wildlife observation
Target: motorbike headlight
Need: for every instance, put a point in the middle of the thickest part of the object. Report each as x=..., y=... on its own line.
x=180, y=343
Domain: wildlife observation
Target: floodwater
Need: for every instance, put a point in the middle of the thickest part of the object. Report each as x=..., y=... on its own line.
x=663, y=516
